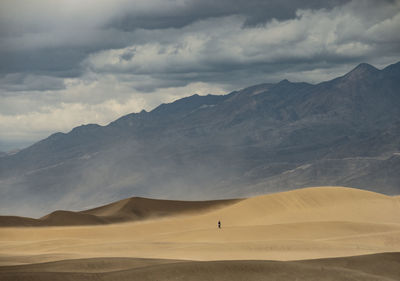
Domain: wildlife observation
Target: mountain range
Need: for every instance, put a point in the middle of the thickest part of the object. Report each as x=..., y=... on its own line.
x=261, y=139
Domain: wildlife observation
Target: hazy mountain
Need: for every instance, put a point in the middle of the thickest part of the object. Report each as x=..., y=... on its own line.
x=264, y=138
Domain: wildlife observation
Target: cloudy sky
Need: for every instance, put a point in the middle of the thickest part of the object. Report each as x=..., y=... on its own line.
x=70, y=62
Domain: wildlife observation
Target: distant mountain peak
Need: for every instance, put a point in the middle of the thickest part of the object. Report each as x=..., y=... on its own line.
x=284, y=81
x=360, y=71
x=393, y=69
x=85, y=127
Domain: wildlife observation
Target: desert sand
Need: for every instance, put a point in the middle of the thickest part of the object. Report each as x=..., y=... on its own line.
x=377, y=267
x=299, y=225
x=130, y=209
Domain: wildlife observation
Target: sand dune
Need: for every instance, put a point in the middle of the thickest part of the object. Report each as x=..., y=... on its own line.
x=138, y=208
x=314, y=204
x=310, y=223
x=367, y=268
x=131, y=209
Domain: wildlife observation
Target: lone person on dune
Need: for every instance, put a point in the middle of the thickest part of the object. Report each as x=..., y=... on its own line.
x=219, y=224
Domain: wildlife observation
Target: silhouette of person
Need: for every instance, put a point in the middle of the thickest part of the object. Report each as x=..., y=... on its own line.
x=219, y=224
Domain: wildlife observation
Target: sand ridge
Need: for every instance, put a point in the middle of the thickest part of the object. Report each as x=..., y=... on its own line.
x=130, y=209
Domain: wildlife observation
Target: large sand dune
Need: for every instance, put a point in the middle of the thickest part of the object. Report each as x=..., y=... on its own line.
x=131, y=209
x=309, y=223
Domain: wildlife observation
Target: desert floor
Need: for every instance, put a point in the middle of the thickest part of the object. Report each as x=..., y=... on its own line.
x=271, y=237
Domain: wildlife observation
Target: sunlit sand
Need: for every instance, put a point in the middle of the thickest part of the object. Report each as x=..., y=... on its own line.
x=301, y=224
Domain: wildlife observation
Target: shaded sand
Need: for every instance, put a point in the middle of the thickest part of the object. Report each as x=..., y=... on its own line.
x=367, y=268
x=303, y=224
x=131, y=209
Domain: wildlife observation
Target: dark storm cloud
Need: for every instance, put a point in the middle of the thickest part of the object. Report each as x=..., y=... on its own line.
x=59, y=53
x=66, y=43
x=220, y=48
x=68, y=38
x=18, y=82
x=255, y=12
x=60, y=62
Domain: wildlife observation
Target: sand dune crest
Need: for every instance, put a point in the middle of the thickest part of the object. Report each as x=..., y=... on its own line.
x=131, y=209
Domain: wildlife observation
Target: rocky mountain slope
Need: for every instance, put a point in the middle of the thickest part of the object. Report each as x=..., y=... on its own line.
x=265, y=138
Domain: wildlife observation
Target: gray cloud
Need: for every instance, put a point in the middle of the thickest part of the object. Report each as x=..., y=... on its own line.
x=18, y=82
x=54, y=37
x=216, y=49
x=180, y=14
